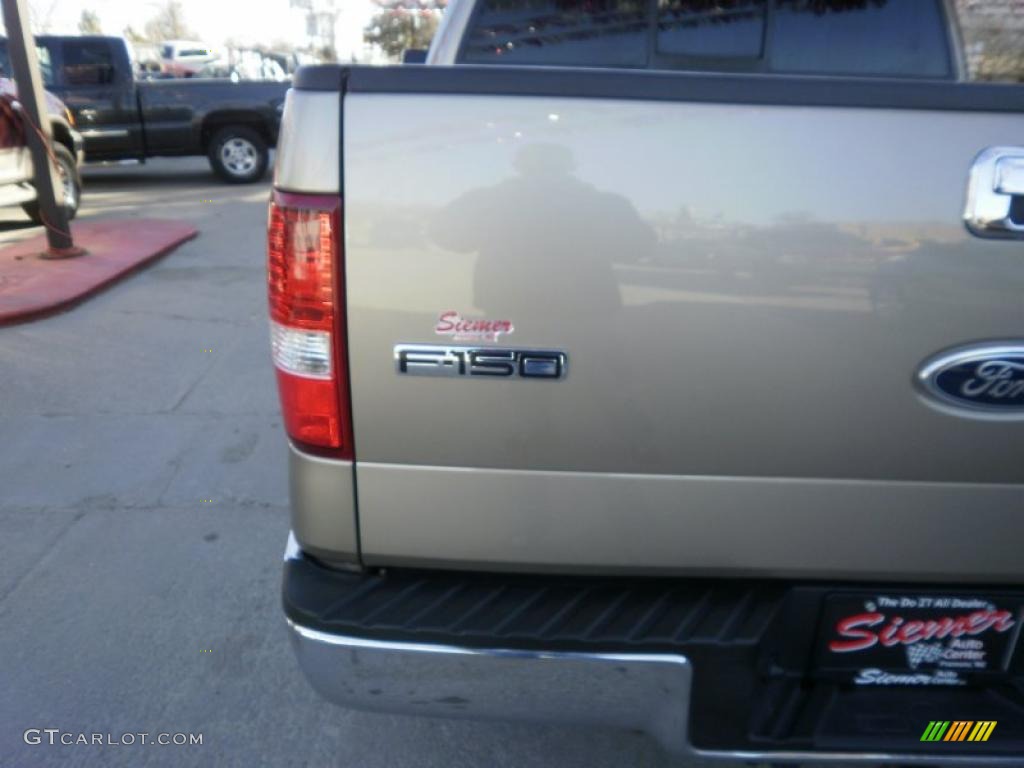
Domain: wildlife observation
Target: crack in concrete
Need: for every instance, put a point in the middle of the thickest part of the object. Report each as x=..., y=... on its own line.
x=175, y=316
x=42, y=555
x=176, y=463
x=236, y=502
x=192, y=387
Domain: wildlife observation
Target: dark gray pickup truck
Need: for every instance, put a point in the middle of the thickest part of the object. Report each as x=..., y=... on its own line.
x=234, y=124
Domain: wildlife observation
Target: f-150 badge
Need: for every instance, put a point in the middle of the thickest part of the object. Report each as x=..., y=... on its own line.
x=479, y=362
x=984, y=381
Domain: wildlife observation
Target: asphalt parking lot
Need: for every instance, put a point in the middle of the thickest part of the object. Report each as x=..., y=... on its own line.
x=143, y=510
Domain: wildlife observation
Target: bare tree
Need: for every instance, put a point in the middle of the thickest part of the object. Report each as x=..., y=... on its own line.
x=40, y=14
x=130, y=34
x=169, y=23
x=89, y=23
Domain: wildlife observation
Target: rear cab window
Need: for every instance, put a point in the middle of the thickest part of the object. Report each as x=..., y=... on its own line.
x=86, y=63
x=697, y=29
x=609, y=33
x=866, y=38
x=899, y=38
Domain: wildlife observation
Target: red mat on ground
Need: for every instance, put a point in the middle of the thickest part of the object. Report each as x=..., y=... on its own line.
x=31, y=286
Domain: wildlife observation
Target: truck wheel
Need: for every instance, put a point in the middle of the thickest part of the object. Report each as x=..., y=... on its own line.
x=238, y=154
x=70, y=180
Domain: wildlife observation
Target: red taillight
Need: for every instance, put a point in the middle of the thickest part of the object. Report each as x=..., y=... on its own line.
x=305, y=287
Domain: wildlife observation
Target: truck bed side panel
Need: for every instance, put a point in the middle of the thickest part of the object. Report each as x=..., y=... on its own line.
x=744, y=293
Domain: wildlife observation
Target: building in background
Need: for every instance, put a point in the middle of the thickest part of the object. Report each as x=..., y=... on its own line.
x=315, y=21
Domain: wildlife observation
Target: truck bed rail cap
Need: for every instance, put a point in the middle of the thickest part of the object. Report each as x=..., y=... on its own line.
x=646, y=85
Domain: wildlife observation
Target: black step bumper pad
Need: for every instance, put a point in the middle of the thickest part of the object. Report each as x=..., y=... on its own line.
x=758, y=684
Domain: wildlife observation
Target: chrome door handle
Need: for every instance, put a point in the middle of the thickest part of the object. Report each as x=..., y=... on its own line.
x=995, y=193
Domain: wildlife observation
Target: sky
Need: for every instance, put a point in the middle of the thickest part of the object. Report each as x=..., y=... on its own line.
x=248, y=21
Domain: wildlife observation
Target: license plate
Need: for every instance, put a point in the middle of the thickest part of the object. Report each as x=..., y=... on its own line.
x=912, y=638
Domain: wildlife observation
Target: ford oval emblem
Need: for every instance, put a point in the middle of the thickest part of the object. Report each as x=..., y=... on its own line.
x=985, y=381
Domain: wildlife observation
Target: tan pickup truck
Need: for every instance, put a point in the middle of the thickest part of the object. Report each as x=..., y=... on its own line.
x=661, y=365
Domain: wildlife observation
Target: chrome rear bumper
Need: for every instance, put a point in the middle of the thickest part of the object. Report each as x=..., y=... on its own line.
x=645, y=692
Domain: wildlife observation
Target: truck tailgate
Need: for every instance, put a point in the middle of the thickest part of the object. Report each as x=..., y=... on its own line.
x=745, y=293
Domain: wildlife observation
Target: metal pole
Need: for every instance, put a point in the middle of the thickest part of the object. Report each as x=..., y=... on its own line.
x=25, y=63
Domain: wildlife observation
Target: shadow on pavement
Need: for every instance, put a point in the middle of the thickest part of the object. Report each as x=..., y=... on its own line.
x=109, y=177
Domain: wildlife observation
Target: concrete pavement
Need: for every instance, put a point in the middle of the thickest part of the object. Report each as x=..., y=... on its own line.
x=33, y=285
x=143, y=516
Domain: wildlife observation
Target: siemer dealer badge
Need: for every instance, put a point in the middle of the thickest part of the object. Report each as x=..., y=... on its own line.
x=917, y=639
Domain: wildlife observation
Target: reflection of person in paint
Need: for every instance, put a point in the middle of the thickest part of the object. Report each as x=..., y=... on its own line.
x=546, y=237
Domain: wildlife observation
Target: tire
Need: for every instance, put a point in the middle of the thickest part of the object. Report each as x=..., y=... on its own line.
x=72, y=180
x=238, y=154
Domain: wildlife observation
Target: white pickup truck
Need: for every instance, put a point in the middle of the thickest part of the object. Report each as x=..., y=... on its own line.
x=661, y=365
